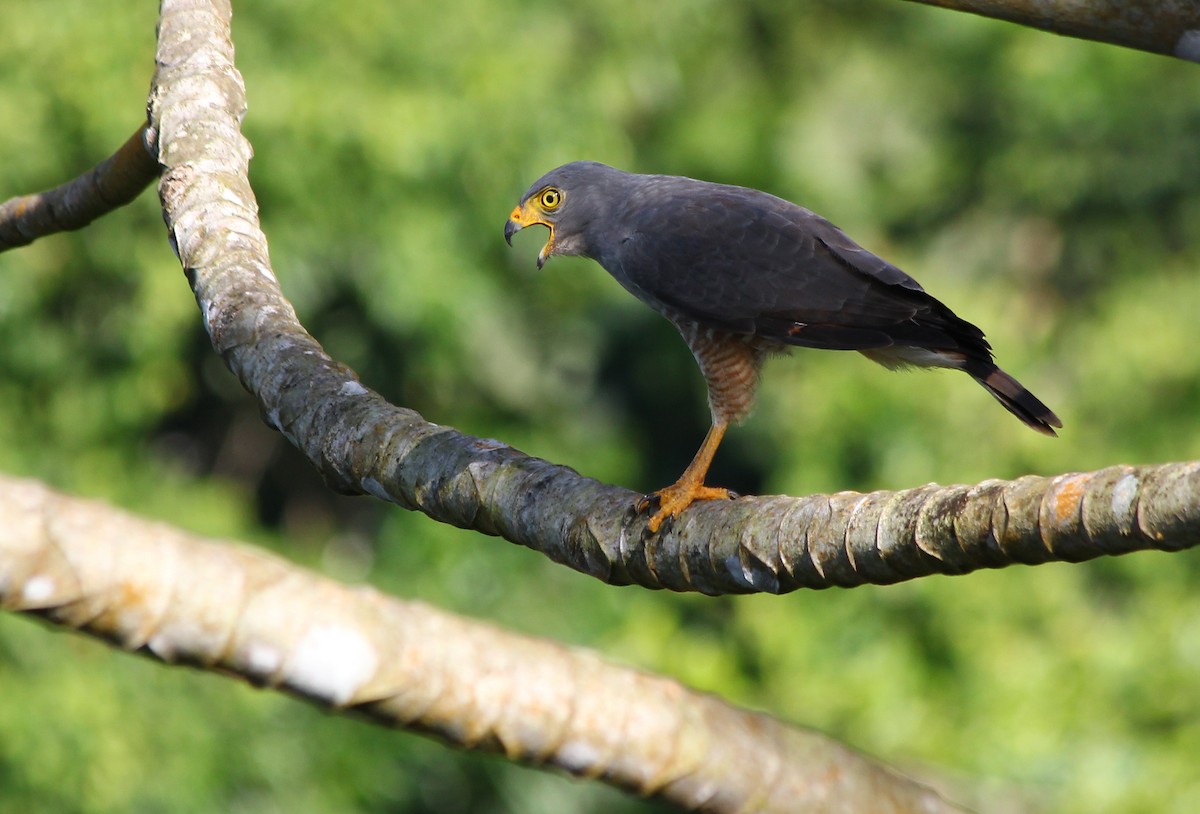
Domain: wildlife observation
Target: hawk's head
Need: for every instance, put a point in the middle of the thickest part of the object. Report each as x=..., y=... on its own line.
x=570, y=200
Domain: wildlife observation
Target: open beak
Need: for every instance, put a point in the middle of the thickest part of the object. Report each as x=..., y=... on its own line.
x=518, y=219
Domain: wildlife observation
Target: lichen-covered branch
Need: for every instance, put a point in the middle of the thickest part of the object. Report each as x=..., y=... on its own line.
x=109, y=185
x=1170, y=27
x=151, y=588
x=361, y=443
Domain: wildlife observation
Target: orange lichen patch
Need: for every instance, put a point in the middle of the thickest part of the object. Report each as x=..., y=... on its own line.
x=1068, y=497
x=132, y=595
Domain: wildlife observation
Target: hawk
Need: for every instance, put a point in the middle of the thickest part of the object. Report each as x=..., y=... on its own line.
x=742, y=274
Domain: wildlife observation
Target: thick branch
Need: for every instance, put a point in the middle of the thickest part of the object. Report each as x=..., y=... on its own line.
x=1170, y=27
x=169, y=595
x=360, y=443
x=109, y=185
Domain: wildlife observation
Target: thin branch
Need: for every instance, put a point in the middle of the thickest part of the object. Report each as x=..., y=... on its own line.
x=362, y=444
x=1170, y=27
x=225, y=607
x=109, y=185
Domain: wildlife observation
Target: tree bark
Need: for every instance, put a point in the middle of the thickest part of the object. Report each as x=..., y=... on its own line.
x=111, y=184
x=1169, y=27
x=225, y=607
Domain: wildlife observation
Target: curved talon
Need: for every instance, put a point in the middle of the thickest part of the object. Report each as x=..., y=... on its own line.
x=646, y=502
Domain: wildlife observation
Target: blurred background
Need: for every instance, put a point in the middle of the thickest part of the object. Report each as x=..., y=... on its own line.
x=1046, y=189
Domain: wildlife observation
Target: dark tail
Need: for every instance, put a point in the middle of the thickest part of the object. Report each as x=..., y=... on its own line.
x=1016, y=399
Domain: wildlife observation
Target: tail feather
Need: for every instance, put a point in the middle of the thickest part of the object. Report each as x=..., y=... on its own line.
x=1016, y=399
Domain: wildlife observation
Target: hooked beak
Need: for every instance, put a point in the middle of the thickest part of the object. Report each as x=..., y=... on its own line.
x=518, y=219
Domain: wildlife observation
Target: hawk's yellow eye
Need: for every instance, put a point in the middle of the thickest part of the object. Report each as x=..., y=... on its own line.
x=550, y=198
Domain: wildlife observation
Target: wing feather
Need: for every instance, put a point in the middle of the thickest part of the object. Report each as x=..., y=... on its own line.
x=746, y=262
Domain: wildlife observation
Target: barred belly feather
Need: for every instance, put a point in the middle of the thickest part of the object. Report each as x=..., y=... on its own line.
x=731, y=365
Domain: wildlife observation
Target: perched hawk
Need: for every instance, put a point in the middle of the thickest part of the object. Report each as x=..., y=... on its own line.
x=741, y=274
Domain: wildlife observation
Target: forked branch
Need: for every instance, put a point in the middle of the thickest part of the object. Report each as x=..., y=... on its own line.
x=360, y=443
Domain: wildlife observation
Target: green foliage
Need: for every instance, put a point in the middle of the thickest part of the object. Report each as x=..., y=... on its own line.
x=1044, y=188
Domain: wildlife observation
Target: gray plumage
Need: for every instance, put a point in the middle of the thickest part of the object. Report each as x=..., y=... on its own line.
x=743, y=264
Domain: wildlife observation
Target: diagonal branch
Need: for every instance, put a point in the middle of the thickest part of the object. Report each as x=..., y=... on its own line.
x=229, y=608
x=109, y=185
x=1170, y=27
x=362, y=444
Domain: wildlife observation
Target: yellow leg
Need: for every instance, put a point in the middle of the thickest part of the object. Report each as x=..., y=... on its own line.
x=690, y=487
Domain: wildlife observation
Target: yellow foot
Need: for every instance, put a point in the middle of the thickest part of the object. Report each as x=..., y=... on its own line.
x=675, y=498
